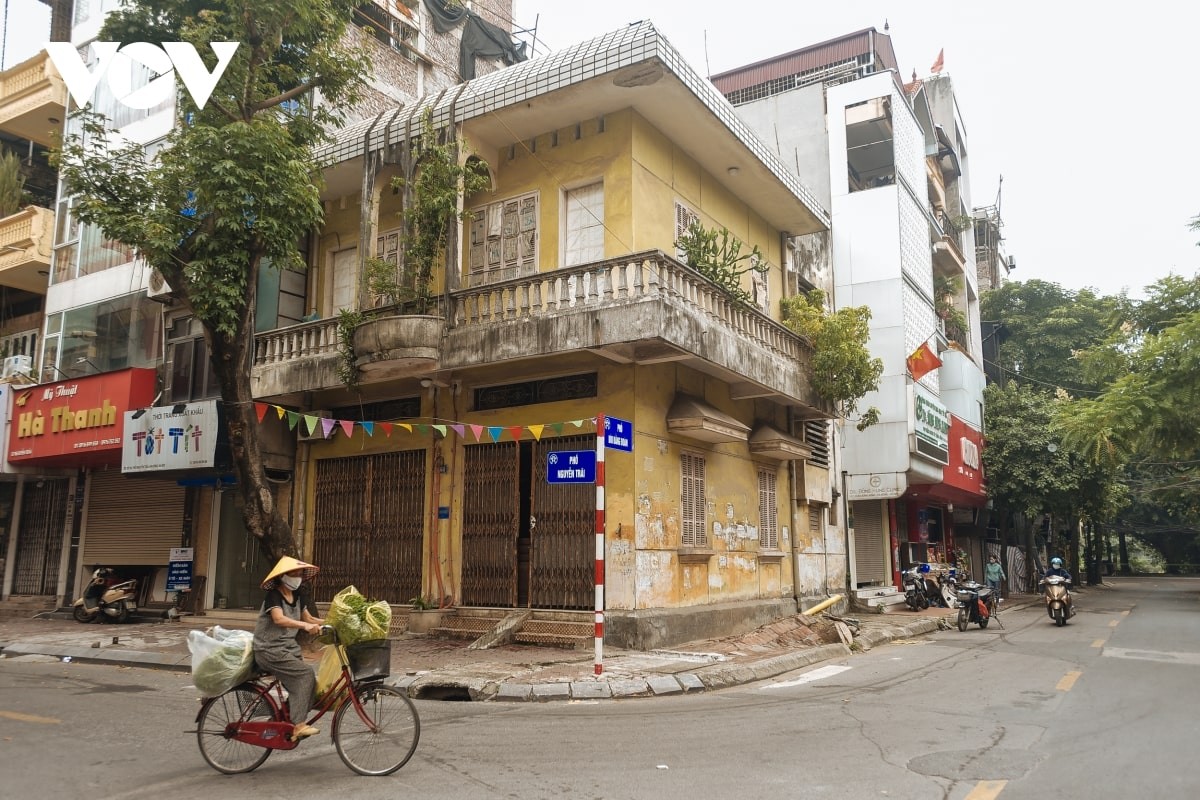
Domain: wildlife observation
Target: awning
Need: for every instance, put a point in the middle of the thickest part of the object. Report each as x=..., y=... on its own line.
x=771, y=443
x=697, y=420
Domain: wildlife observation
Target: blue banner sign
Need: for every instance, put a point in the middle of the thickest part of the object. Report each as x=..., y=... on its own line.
x=571, y=466
x=179, y=576
x=618, y=434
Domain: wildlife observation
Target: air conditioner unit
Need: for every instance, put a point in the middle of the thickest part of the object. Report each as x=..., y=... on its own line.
x=15, y=366
x=158, y=289
x=318, y=434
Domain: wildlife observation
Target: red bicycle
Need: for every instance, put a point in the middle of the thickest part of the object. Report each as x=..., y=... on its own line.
x=375, y=727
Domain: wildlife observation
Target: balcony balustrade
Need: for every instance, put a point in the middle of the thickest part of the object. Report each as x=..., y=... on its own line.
x=33, y=100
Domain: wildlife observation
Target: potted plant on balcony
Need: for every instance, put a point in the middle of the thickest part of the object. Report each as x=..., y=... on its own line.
x=12, y=184
x=434, y=181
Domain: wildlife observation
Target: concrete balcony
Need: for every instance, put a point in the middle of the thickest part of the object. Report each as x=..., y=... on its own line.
x=26, y=249
x=645, y=308
x=33, y=101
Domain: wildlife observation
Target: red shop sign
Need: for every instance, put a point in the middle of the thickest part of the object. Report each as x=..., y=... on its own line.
x=965, y=470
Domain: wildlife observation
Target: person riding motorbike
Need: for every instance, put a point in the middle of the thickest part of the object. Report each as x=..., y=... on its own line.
x=1056, y=568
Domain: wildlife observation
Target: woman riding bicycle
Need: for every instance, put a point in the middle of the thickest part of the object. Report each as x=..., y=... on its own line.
x=284, y=612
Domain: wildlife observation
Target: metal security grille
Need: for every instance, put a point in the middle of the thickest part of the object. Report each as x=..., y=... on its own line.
x=869, y=542
x=368, y=525
x=491, y=524
x=40, y=537
x=768, y=512
x=691, y=501
x=563, y=538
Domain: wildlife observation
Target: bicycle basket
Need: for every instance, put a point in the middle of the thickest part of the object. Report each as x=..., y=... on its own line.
x=370, y=659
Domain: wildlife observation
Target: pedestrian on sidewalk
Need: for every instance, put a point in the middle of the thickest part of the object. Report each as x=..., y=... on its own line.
x=993, y=575
x=284, y=613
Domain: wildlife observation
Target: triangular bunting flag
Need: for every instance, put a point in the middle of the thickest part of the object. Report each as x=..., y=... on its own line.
x=422, y=429
x=261, y=410
x=327, y=426
x=495, y=432
x=310, y=424
x=578, y=423
x=536, y=430
x=387, y=429
x=557, y=427
x=404, y=425
x=461, y=430
x=279, y=411
x=369, y=427
x=292, y=419
x=440, y=429
x=347, y=426
x=478, y=431
x=516, y=431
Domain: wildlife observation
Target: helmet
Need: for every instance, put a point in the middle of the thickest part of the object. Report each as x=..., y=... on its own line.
x=1056, y=562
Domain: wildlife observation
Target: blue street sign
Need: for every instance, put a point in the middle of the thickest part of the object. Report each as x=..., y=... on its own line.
x=179, y=576
x=618, y=434
x=571, y=466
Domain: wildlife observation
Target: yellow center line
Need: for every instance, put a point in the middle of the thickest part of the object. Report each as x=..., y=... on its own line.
x=1114, y=623
x=19, y=717
x=1098, y=643
x=986, y=790
x=1068, y=681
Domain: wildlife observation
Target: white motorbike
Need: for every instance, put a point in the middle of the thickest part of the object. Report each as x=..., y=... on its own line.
x=103, y=599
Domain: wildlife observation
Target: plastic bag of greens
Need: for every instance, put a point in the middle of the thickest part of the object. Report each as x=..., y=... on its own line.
x=220, y=661
x=357, y=619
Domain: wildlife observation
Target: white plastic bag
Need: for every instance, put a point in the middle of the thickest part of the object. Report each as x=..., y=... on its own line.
x=222, y=660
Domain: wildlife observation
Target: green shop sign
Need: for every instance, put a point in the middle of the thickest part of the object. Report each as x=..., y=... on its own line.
x=932, y=427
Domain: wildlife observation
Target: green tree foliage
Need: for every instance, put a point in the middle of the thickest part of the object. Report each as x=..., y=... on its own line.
x=718, y=256
x=12, y=184
x=236, y=184
x=843, y=369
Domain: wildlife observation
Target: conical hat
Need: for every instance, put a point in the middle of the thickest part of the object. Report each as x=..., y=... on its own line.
x=289, y=564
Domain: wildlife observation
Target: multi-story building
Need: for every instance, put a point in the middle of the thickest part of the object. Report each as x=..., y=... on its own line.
x=116, y=348
x=893, y=162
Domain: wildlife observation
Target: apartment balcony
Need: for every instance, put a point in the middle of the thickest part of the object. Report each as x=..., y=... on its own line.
x=26, y=248
x=645, y=308
x=33, y=101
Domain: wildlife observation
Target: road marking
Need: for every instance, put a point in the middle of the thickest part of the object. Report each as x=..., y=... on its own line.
x=19, y=717
x=1068, y=681
x=1191, y=659
x=986, y=790
x=809, y=677
x=1098, y=643
x=1124, y=613
x=1114, y=623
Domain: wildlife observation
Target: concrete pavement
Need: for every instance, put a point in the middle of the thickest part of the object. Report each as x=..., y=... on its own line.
x=448, y=670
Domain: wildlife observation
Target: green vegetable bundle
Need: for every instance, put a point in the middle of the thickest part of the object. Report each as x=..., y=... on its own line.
x=357, y=619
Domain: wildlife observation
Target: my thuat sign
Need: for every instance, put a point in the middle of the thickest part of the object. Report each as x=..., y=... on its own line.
x=119, y=63
x=170, y=437
x=931, y=427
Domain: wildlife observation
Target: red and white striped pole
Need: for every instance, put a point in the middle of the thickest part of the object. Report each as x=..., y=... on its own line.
x=600, y=544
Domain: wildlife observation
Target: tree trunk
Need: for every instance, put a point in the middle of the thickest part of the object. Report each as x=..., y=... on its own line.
x=1123, y=552
x=232, y=359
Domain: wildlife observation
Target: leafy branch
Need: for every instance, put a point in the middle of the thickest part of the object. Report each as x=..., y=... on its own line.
x=717, y=255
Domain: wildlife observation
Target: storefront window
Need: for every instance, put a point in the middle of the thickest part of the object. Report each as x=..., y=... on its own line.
x=116, y=334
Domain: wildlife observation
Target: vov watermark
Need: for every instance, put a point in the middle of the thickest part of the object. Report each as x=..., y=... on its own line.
x=112, y=60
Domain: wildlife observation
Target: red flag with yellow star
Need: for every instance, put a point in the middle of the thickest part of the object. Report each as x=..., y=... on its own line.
x=923, y=361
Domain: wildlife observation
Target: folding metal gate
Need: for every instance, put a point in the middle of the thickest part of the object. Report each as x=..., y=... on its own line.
x=491, y=524
x=368, y=525
x=40, y=537
x=563, y=537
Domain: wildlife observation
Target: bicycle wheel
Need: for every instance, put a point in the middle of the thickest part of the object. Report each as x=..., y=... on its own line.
x=385, y=740
x=222, y=752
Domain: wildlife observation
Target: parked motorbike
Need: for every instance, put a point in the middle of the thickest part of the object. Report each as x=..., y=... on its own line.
x=915, y=596
x=1056, y=591
x=105, y=599
x=976, y=603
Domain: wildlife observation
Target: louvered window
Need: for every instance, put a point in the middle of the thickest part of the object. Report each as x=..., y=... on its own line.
x=684, y=217
x=504, y=237
x=768, y=513
x=814, y=519
x=691, y=482
x=816, y=436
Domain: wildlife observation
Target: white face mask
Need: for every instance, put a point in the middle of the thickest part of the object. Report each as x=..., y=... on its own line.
x=291, y=582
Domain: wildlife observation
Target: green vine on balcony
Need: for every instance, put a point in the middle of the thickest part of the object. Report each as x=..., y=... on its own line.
x=945, y=289
x=347, y=369
x=717, y=255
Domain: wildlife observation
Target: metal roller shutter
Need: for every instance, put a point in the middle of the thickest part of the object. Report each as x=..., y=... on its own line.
x=869, y=542
x=131, y=520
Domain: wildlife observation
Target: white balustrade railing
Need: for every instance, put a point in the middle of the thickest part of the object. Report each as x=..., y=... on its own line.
x=305, y=340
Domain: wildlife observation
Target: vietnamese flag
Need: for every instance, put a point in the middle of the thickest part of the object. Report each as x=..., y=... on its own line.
x=922, y=362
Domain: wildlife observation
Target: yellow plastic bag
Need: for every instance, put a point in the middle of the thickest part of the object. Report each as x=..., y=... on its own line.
x=328, y=672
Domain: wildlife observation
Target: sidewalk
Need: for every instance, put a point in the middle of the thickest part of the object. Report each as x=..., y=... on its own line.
x=448, y=669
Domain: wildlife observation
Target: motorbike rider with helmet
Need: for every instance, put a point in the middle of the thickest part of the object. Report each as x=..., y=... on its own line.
x=1056, y=568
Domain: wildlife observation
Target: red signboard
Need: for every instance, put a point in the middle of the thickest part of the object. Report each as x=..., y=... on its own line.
x=76, y=422
x=965, y=470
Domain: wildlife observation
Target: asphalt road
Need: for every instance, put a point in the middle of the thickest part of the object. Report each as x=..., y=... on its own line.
x=1105, y=707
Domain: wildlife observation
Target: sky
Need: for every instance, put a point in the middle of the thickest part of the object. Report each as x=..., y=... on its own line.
x=1085, y=110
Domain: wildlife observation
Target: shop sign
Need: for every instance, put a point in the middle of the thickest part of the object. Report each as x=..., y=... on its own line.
x=931, y=426
x=965, y=470
x=182, y=436
x=70, y=422
x=875, y=486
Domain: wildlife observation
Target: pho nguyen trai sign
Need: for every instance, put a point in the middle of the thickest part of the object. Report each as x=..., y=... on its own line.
x=170, y=437
x=76, y=423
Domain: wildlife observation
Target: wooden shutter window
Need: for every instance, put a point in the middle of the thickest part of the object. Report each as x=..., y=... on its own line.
x=692, y=528
x=768, y=514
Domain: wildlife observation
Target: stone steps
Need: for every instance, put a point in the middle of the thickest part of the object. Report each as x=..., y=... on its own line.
x=26, y=606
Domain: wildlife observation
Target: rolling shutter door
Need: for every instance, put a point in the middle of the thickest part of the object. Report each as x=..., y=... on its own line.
x=868, y=542
x=131, y=520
